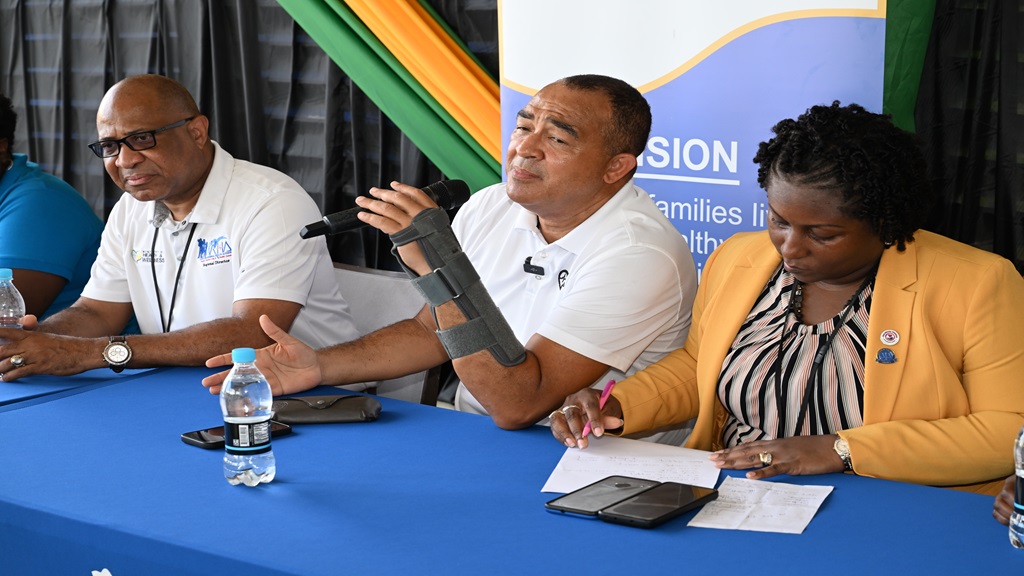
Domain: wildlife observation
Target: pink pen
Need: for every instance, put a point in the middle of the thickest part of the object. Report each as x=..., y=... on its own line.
x=600, y=403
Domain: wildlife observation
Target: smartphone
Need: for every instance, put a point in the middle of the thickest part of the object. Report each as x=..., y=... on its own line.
x=590, y=499
x=212, y=438
x=658, y=505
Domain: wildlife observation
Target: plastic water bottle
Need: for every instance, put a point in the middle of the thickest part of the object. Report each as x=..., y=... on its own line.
x=246, y=401
x=12, y=305
x=1017, y=517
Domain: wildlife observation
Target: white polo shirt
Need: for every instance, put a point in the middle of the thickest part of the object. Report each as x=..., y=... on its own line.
x=245, y=245
x=617, y=289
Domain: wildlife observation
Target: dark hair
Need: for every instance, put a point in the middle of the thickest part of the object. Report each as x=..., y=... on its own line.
x=8, y=121
x=631, y=114
x=878, y=168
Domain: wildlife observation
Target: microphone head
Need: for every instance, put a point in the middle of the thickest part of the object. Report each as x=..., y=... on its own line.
x=448, y=193
x=315, y=229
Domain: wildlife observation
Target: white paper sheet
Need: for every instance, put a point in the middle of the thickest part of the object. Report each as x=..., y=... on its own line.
x=761, y=506
x=610, y=455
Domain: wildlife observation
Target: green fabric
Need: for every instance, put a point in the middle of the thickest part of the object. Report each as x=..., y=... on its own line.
x=386, y=82
x=908, y=26
x=390, y=86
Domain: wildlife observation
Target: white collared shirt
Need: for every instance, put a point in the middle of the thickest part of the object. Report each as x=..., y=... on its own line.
x=246, y=245
x=617, y=289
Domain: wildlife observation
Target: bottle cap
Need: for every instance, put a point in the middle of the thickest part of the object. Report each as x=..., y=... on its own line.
x=6, y=274
x=243, y=355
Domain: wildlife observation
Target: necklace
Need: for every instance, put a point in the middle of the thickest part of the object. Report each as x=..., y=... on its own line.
x=795, y=307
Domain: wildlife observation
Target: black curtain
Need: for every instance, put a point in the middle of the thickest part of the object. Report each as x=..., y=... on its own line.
x=272, y=95
x=970, y=115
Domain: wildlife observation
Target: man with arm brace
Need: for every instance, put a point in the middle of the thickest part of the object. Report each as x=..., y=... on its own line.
x=587, y=274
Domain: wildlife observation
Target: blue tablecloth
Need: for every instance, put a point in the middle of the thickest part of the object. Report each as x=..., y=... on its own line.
x=30, y=388
x=102, y=480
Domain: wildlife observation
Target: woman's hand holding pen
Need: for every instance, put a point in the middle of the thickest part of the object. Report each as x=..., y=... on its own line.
x=569, y=421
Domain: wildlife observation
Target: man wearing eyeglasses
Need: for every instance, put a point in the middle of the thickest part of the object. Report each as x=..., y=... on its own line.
x=198, y=247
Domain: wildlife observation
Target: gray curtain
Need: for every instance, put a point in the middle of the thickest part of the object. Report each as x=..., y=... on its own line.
x=272, y=95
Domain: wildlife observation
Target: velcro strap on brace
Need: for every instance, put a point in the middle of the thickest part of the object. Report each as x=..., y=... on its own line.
x=454, y=278
x=447, y=282
x=424, y=224
x=432, y=230
x=466, y=339
x=500, y=340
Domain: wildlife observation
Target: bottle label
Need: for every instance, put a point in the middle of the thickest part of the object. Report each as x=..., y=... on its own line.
x=1018, y=496
x=247, y=439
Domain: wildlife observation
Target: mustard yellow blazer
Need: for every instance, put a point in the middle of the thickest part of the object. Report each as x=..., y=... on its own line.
x=945, y=413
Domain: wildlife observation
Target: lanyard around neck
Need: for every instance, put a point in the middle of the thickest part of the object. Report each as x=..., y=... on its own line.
x=177, y=278
x=815, y=375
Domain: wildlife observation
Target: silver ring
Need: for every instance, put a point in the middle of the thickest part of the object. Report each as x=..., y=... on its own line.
x=17, y=360
x=766, y=458
x=569, y=407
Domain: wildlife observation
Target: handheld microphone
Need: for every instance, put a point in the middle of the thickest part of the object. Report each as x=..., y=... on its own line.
x=447, y=194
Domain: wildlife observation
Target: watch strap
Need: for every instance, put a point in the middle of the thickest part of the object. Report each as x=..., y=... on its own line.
x=842, y=448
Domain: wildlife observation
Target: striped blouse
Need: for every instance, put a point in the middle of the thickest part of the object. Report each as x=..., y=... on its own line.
x=763, y=396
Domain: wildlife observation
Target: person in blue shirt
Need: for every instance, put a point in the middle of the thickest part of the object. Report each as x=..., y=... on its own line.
x=49, y=234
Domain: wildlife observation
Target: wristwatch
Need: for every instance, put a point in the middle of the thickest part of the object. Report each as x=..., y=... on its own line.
x=843, y=449
x=117, y=353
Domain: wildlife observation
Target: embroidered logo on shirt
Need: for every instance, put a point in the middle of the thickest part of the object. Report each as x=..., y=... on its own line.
x=213, y=252
x=563, y=275
x=145, y=256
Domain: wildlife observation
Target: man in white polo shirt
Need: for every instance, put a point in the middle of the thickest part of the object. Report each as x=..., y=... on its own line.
x=199, y=247
x=617, y=288
x=591, y=277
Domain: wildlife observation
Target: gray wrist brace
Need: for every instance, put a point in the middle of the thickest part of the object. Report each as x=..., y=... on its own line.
x=454, y=278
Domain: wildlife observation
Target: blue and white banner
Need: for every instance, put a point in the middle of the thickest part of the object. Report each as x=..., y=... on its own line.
x=718, y=74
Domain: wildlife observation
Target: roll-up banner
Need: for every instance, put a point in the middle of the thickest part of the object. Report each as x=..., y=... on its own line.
x=718, y=75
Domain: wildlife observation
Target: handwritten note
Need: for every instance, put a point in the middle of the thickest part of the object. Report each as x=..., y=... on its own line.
x=762, y=506
x=609, y=455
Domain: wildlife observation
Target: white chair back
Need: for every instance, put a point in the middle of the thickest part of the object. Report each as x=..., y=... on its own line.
x=379, y=298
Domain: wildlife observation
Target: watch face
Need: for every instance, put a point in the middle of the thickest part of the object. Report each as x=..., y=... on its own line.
x=843, y=448
x=117, y=353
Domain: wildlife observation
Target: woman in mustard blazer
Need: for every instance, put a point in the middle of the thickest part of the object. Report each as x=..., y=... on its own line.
x=843, y=337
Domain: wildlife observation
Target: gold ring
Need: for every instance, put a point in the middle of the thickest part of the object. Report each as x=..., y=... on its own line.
x=766, y=458
x=17, y=360
x=569, y=407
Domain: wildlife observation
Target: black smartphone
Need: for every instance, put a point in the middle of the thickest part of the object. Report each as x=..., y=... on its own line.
x=658, y=505
x=212, y=438
x=587, y=501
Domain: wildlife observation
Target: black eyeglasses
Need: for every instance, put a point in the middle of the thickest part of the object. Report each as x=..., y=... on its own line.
x=138, y=141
